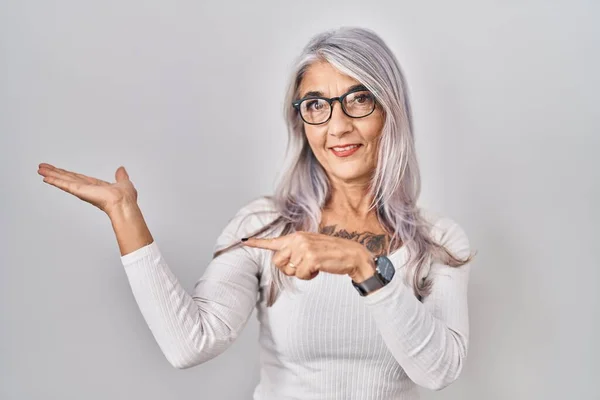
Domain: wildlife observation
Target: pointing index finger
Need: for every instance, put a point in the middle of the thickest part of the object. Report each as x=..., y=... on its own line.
x=266, y=243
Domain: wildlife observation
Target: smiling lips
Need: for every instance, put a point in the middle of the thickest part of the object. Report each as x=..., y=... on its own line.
x=345, y=151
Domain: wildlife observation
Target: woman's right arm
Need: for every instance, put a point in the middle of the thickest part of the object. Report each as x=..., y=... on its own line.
x=190, y=328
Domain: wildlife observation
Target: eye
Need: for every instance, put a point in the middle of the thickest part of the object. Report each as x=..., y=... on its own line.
x=363, y=98
x=314, y=105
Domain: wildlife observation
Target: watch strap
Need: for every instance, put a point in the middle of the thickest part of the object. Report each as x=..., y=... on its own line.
x=370, y=284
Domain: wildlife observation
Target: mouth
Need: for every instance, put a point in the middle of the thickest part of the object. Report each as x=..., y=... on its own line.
x=345, y=151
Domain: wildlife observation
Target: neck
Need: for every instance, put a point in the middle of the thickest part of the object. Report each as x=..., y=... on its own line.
x=351, y=200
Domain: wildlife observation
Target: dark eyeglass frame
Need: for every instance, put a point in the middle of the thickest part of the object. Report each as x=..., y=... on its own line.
x=296, y=104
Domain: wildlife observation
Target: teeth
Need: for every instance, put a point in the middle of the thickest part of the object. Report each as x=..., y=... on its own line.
x=345, y=148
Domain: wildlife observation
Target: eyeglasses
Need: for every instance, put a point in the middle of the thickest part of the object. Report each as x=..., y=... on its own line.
x=316, y=110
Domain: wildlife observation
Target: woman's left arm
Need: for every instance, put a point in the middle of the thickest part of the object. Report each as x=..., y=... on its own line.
x=429, y=339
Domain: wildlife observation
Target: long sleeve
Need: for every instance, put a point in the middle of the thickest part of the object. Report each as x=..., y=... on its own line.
x=429, y=339
x=193, y=328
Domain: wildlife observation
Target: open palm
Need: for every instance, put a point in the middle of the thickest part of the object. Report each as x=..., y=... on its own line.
x=102, y=194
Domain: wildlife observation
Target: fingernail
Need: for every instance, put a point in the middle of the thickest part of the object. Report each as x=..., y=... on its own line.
x=244, y=239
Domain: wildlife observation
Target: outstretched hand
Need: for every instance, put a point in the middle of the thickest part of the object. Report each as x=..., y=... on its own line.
x=104, y=195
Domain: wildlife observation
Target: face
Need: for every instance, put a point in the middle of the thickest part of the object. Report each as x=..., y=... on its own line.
x=341, y=130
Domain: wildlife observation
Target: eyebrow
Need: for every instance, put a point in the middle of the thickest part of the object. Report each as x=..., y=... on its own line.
x=318, y=93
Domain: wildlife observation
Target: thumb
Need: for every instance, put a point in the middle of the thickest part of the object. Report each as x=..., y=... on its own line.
x=121, y=174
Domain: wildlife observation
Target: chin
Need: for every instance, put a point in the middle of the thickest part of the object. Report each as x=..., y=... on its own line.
x=348, y=174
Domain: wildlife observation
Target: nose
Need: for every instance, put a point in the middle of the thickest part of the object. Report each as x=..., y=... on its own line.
x=340, y=123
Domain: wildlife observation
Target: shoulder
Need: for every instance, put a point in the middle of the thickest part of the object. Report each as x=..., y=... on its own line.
x=249, y=219
x=260, y=210
x=252, y=216
x=262, y=204
x=447, y=232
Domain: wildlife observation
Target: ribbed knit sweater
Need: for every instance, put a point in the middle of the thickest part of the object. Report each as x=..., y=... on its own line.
x=323, y=341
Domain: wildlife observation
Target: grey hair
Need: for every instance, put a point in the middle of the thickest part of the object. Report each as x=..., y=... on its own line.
x=304, y=187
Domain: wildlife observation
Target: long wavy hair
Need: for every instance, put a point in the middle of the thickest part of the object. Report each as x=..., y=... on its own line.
x=304, y=188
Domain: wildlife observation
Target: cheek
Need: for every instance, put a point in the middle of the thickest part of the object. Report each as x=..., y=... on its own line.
x=314, y=136
x=374, y=127
x=371, y=134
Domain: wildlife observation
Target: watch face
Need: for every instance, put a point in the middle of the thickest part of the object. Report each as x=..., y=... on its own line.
x=385, y=267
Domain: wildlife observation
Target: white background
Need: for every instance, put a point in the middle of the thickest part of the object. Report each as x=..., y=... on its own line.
x=188, y=96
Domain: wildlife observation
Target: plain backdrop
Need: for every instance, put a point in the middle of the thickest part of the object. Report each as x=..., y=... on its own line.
x=187, y=95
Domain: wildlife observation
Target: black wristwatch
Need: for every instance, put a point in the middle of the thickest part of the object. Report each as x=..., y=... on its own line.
x=384, y=271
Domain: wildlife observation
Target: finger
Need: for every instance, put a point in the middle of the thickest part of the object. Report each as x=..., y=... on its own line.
x=121, y=174
x=307, y=269
x=93, y=180
x=49, y=170
x=55, y=174
x=282, y=257
x=303, y=271
x=286, y=269
x=46, y=165
x=314, y=274
x=296, y=264
x=74, y=175
x=270, y=243
x=63, y=171
x=289, y=271
x=68, y=186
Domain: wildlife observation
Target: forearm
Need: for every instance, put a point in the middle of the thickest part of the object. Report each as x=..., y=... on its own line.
x=189, y=328
x=188, y=332
x=431, y=353
x=430, y=338
x=130, y=227
x=169, y=311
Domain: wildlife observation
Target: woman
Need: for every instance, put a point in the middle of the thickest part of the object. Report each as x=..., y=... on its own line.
x=360, y=294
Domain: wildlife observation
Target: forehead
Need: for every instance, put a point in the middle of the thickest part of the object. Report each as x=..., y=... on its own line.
x=323, y=77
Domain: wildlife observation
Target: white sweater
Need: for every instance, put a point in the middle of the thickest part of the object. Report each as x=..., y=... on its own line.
x=323, y=342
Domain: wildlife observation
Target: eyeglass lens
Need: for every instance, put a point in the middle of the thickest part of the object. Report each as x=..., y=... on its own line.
x=356, y=104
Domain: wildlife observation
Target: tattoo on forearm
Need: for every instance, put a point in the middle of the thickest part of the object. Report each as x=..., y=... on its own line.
x=377, y=244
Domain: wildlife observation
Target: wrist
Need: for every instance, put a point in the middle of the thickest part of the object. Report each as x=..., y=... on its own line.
x=130, y=228
x=123, y=211
x=365, y=267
